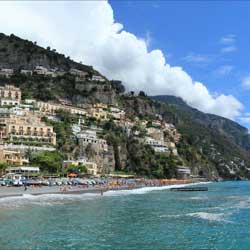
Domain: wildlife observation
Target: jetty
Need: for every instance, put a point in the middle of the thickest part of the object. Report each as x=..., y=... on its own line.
x=189, y=189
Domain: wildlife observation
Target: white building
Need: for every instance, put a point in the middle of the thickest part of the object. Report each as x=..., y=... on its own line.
x=40, y=70
x=89, y=137
x=158, y=145
x=79, y=73
x=23, y=170
x=6, y=72
x=26, y=72
x=97, y=78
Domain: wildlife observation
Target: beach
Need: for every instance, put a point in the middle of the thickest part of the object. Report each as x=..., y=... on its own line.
x=79, y=189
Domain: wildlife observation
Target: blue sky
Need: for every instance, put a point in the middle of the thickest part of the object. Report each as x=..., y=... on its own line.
x=210, y=40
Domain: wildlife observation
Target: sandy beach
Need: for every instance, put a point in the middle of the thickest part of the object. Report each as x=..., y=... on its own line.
x=39, y=190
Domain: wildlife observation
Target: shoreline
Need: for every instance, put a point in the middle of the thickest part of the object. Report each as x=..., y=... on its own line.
x=6, y=192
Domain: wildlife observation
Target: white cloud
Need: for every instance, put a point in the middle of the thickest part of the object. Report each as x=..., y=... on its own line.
x=244, y=119
x=224, y=70
x=87, y=32
x=228, y=39
x=229, y=49
x=229, y=42
x=246, y=82
x=197, y=58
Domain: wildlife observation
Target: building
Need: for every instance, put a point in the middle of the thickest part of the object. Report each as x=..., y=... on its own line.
x=24, y=127
x=26, y=171
x=12, y=157
x=87, y=137
x=91, y=166
x=98, y=78
x=51, y=108
x=6, y=72
x=26, y=72
x=10, y=95
x=99, y=111
x=31, y=132
x=40, y=70
x=183, y=172
x=158, y=145
x=155, y=133
x=117, y=113
x=79, y=73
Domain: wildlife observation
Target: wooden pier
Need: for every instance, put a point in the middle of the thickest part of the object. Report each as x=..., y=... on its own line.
x=189, y=189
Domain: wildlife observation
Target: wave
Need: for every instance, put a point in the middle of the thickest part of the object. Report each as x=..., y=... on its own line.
x=145, y=190
x=50, y=199
x=216, y=217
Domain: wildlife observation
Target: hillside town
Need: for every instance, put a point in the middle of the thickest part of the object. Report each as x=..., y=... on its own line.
x=25, y=130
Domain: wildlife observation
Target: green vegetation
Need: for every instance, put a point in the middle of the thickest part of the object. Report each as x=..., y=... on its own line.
x=65, y=139
x=50, y=162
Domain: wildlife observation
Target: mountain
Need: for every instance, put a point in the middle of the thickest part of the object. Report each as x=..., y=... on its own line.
x=232, y=130
x=212, y=146
x=18, y=54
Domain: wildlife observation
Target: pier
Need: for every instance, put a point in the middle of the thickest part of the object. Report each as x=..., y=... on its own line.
x=189, y=189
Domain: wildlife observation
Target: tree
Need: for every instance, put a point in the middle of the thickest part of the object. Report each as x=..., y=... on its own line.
x=142, y=94
x=82, y=169
x=48, y=161
x=3, y=166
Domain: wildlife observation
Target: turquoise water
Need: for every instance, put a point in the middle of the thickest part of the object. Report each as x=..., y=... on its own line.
x=137, y=219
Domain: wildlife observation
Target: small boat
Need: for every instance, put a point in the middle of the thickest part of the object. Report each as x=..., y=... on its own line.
x=189, y=189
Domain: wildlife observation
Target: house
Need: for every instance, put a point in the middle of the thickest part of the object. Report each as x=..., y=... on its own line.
x=30, y=101
x=29, y=131
x=98, y=78
x=12, y=157
x=10, y=95
x=79, y=73
x=26, y=171
x=51, y=108
x=98, y=111
x=26, y=72
x=87, y=137
x=91, y=166
x=158, y=145
x=155, y=133
x=183, y=172
x=40, y=70
x=6, y=72
x=117, y=113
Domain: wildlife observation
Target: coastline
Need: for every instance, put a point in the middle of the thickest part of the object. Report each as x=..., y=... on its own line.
x=6, y=192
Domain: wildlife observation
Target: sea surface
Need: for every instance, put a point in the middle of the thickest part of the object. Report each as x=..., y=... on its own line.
x=143, y=219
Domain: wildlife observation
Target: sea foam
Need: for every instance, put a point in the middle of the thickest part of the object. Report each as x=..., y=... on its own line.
x=50, y=199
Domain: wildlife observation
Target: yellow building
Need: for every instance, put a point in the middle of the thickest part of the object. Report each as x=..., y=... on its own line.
x=51, y=108
x=14, y=158
x=91, y=166
x=25, y=131
x=10, y=95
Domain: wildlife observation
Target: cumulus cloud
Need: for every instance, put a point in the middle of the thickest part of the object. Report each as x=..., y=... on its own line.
x=88, y=32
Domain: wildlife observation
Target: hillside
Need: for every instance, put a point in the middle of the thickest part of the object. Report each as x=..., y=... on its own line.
x=232, y=130
x=212, y=146
x=19, y=54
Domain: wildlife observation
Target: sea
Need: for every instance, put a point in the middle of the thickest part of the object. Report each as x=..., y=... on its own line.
x=141, y=219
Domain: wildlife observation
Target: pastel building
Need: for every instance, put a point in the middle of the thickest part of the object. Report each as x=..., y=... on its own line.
x=10, y=95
